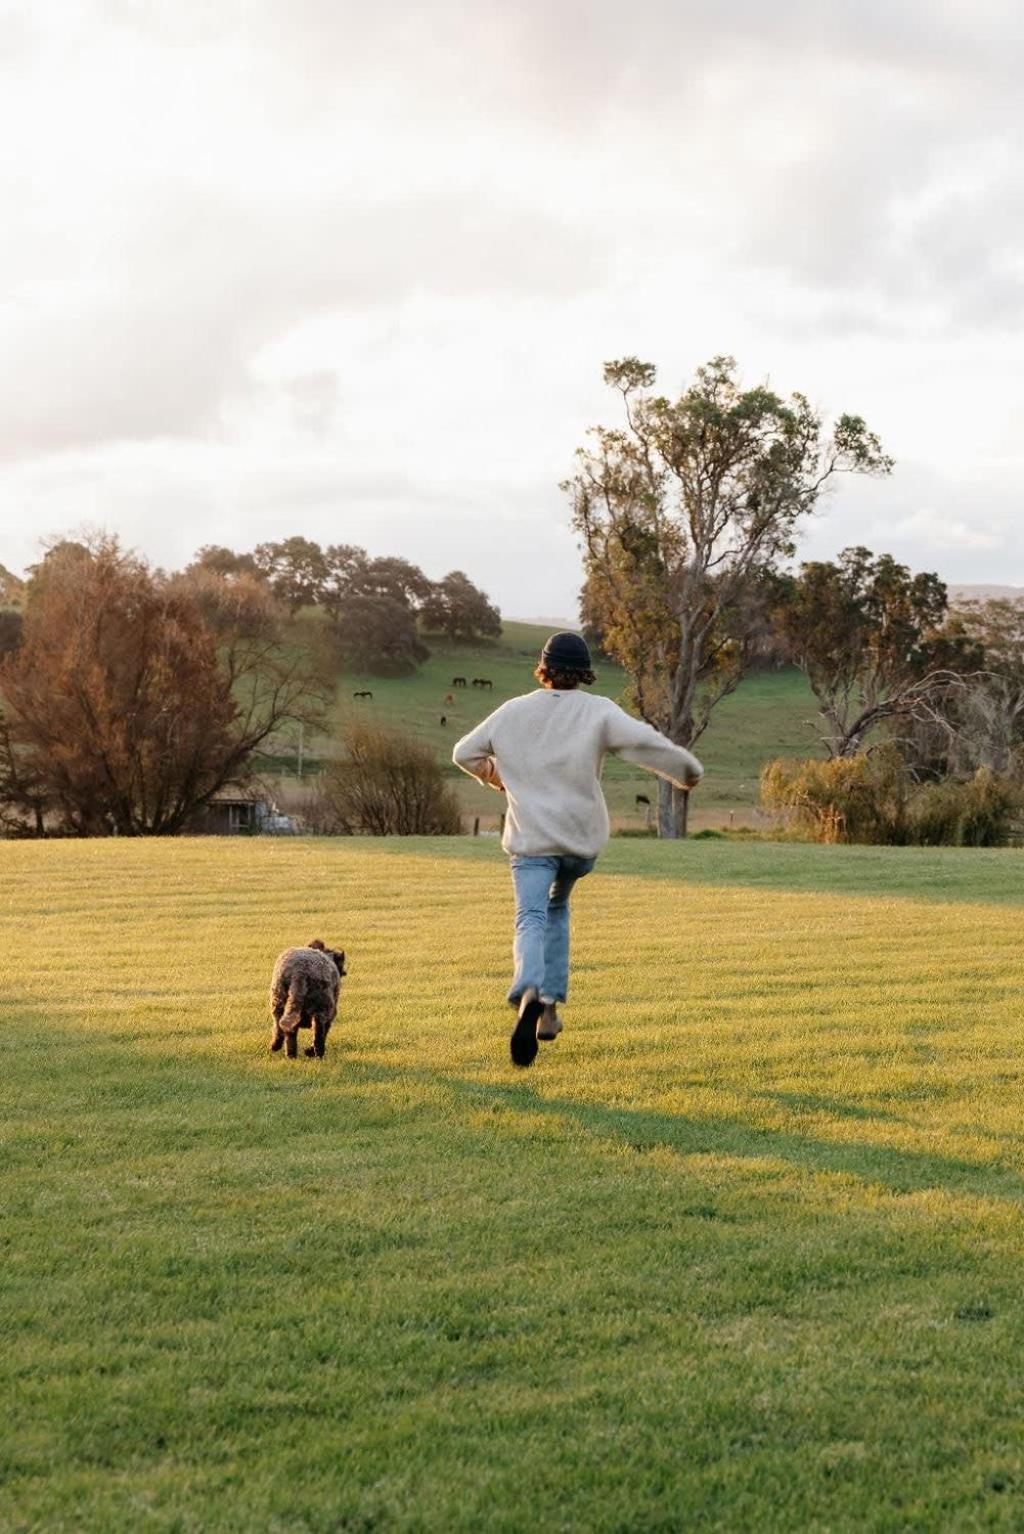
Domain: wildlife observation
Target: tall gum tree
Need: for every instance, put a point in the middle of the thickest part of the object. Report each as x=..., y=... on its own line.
x=682, y=511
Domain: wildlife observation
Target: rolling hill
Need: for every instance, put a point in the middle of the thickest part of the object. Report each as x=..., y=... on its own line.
x=771, y=714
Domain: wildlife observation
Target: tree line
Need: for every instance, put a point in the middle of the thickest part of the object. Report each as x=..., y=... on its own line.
x=131, y=697
x=379, y=608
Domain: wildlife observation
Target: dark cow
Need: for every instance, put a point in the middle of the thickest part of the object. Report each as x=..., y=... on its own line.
x=458, y=681
x=643, y=799
x=482, y=681
x=363, y=695
x=444, y=718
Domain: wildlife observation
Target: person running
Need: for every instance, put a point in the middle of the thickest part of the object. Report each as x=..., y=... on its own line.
x=545, y=751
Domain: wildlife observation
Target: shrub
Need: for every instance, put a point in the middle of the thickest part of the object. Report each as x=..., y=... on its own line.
x=982, y=812
x=847, y=799
x=873, y=798
x=386, y=784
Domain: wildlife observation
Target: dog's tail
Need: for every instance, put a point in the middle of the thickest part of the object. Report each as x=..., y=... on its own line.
x=292, y=1015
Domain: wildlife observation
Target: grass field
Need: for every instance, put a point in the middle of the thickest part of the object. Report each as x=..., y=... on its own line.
x=770, y=715
x=742, y=1251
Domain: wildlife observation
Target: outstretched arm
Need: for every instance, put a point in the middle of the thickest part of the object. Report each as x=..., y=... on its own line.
x=646, y=747
x=474, y=753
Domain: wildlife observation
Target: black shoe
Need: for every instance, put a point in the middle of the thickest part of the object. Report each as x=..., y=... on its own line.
x=523, y=1043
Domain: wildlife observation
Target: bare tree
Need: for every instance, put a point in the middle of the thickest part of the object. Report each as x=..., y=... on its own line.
x=386, y=784
x=133, y=699
x=682, y=511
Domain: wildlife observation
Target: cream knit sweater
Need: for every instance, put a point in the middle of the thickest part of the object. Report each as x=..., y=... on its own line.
x=546, y=750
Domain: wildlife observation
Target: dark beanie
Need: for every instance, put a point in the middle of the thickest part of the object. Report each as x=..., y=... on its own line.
x=566, y=652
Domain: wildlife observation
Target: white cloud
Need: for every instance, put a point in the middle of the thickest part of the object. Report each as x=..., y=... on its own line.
x=941, y=532
x=948, y=523
x=353, y=272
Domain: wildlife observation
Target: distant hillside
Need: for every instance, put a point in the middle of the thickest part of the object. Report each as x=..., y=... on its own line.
x=772, y=714
x=553, y=625
x=984, y=593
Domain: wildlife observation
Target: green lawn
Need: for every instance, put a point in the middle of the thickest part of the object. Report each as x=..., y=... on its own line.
x=772, y=714
x=741, y=1252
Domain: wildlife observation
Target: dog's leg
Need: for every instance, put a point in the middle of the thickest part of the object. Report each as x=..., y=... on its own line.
x=291, y=1043
x=277, y=1004
x=319, y=1038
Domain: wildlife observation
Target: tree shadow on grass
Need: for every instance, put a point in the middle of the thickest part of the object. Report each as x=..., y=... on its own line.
x=141, y=1076
x=889, y=1167
x=839, y=1107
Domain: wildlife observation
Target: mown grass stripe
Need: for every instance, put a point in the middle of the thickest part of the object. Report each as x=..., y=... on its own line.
x=742, y=1251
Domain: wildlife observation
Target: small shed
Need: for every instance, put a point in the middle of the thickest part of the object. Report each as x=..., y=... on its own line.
x=234, y=812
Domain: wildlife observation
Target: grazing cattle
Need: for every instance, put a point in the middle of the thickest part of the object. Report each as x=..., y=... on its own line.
x=458, y=681
x=482, y=681
x=448, y=698
x=363, y=695
x=643, y=799
x=444, y=718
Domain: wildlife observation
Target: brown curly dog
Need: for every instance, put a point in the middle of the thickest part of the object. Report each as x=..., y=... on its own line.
x=304, y=994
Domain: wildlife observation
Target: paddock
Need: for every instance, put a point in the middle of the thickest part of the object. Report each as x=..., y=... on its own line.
x=754, y=1219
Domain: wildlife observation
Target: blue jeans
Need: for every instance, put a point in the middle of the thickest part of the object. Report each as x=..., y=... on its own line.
x=541, y=947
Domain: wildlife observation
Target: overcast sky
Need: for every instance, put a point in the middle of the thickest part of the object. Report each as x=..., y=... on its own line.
x=305, y=266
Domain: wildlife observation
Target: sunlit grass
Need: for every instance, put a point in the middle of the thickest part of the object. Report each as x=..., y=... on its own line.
x=742, y=1251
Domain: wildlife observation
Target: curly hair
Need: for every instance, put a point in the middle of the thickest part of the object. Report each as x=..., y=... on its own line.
x=562, y=680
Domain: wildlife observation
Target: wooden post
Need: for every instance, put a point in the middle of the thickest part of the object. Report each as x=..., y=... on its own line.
x=476, y=826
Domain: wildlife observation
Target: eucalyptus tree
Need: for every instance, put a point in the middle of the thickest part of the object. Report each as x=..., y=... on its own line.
x=683, y=509
x=873, y=640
